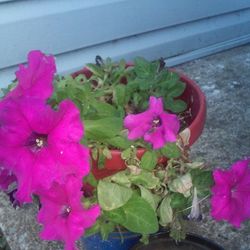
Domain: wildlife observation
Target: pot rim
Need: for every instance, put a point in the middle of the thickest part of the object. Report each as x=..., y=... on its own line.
x=191, y=237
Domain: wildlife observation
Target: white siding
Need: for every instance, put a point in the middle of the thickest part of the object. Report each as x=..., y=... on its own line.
x=77, y=30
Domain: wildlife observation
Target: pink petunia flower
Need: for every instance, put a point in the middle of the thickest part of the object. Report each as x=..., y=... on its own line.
x=231, y=193
x=41, y=145
x=155, y=125
x=62, y=214
x=37, y=78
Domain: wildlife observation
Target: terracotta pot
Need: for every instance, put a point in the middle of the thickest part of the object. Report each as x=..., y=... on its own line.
x=196, y=102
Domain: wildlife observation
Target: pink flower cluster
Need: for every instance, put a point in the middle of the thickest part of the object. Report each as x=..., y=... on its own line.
x=231, y=193
x=40, y=150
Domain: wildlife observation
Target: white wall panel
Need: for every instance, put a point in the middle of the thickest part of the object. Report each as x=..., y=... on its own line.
x=77, y=30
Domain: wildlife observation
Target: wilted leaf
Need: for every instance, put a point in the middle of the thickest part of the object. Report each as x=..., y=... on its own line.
x=182, y=185
x=107, y=153
x=165, y=211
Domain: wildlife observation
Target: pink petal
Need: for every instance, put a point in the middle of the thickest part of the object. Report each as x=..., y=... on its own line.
x=171, y=126
x=220, y=206
x=70, y=127
x=143, y=124
x=14, y=128
x=231, y=194
x=45, y=169
x=138, y=132
x=138, y=124
x=40, y=117
x=239, y=169
x=37, y=78
x=72, y=158
x=137, y=120
x=156, y=138
x=70, y=228
x=223, y=177
x=156, y=105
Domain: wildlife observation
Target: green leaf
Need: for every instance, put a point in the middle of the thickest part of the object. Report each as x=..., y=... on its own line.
x=177, y=231
x=119, y=95
x=140, y=216
x=144, y=239
x=142, y=67
x=202, y=180
x=90, y=178
x=96, y=70
x=131, y=88
x=136, y=99
x=182, y=185
x=171, y=150
x=106, y=228
x=178, y=106
x=172, y=78
x=145, y=85
x=177, y=89
x=149, y=160
x=168, y=79
x=126, y=154
x=129, y=153
x=145, y=179
x=116, y=215
x=178, y=201
x=152, y=199
x=165, y=211
x=101, y=160
x=111, y=195
x=119, y=142
x=93, y=230
x=103, y=128
x=104, y=109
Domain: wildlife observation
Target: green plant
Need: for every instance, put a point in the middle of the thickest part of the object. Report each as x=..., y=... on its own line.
x=126, y=108
x=149, y=192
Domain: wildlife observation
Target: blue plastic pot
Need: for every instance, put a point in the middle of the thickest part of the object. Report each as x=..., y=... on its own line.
x=116, y=241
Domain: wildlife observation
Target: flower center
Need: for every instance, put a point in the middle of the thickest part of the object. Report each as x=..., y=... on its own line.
x=233, y=191
x=66, y=210
x=156, y=122
x=37, y=141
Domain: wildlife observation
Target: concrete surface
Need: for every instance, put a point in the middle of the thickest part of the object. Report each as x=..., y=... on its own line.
x=224, y=78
